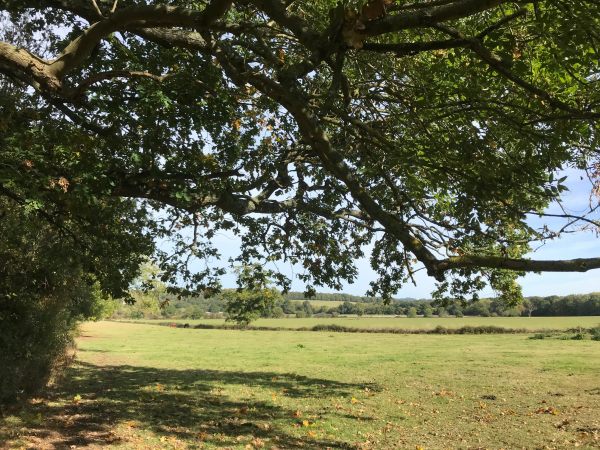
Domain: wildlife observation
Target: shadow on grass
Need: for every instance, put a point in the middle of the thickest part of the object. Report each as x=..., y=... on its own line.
x=175, y=405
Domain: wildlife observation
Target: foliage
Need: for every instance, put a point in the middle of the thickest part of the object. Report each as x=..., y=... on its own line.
x=423, y=133
x=147, y=306
x=63, y=250
x=427, y=311
x=44, y=292
x=245, y=306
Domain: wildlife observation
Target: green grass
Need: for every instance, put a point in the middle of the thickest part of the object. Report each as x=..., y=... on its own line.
x=140, y=386
x=529, y=323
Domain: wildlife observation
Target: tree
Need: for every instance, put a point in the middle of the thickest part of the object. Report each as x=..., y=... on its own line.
x=479, y=308
x=427, y=311
x=308, y=309
x=411, y=312
x=441, y=312
x=311, y=129
x=247, y=305
x=48, y=284
x=148, y=294
x=528, y=306
x=360, y=309
x=346, y=308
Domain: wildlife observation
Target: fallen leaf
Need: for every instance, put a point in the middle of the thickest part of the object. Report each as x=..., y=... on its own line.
x=547, y=410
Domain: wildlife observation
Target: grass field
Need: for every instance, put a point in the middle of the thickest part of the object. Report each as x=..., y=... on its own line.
x=529, y=323
x=140, y=386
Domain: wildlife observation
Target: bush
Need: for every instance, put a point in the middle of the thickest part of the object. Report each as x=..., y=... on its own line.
x=277, y=312
x=46, y=288
x=538, y=336
x=37, y=334
x=427, y=311
x=442, y=312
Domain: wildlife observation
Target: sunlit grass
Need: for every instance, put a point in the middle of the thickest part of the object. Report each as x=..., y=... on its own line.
x=144, y=386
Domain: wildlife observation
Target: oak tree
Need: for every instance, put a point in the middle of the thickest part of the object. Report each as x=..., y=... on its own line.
x=426, y=132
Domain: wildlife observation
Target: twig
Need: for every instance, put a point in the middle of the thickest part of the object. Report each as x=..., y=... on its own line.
x=97, y=8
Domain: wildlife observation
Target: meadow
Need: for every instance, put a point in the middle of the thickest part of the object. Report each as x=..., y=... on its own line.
x=417, y=323
x=140, y=386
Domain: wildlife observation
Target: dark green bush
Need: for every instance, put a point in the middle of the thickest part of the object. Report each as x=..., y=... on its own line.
x=45, y=290
x=538, y=336
x=36, y=336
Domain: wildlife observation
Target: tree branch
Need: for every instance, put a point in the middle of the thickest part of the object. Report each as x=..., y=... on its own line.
x=519, y=265
x=413, y=48
x=80, y=48
x=429, y=16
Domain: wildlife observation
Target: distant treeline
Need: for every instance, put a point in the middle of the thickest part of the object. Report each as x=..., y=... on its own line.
x=339, y=297
x=148, y=306
x=570, y=305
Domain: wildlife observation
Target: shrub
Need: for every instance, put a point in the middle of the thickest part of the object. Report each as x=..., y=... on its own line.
x=538, y=336
x=277, y=312
x=46, y=288
x=427, y=311
x=442, y=312
x=37, y=334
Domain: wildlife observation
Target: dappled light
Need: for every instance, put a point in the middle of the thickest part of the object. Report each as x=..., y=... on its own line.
x=171, y=405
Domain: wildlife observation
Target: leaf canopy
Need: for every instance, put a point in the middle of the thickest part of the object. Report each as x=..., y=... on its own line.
x=425, y=133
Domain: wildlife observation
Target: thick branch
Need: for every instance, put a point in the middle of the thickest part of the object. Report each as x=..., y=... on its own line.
x=333, y=161
x=520, y=265
x=23, y=65
x=80, y=49
x=412, y=48
x=429, y=16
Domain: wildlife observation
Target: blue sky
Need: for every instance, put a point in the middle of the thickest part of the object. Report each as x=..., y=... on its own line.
x=578, y=245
